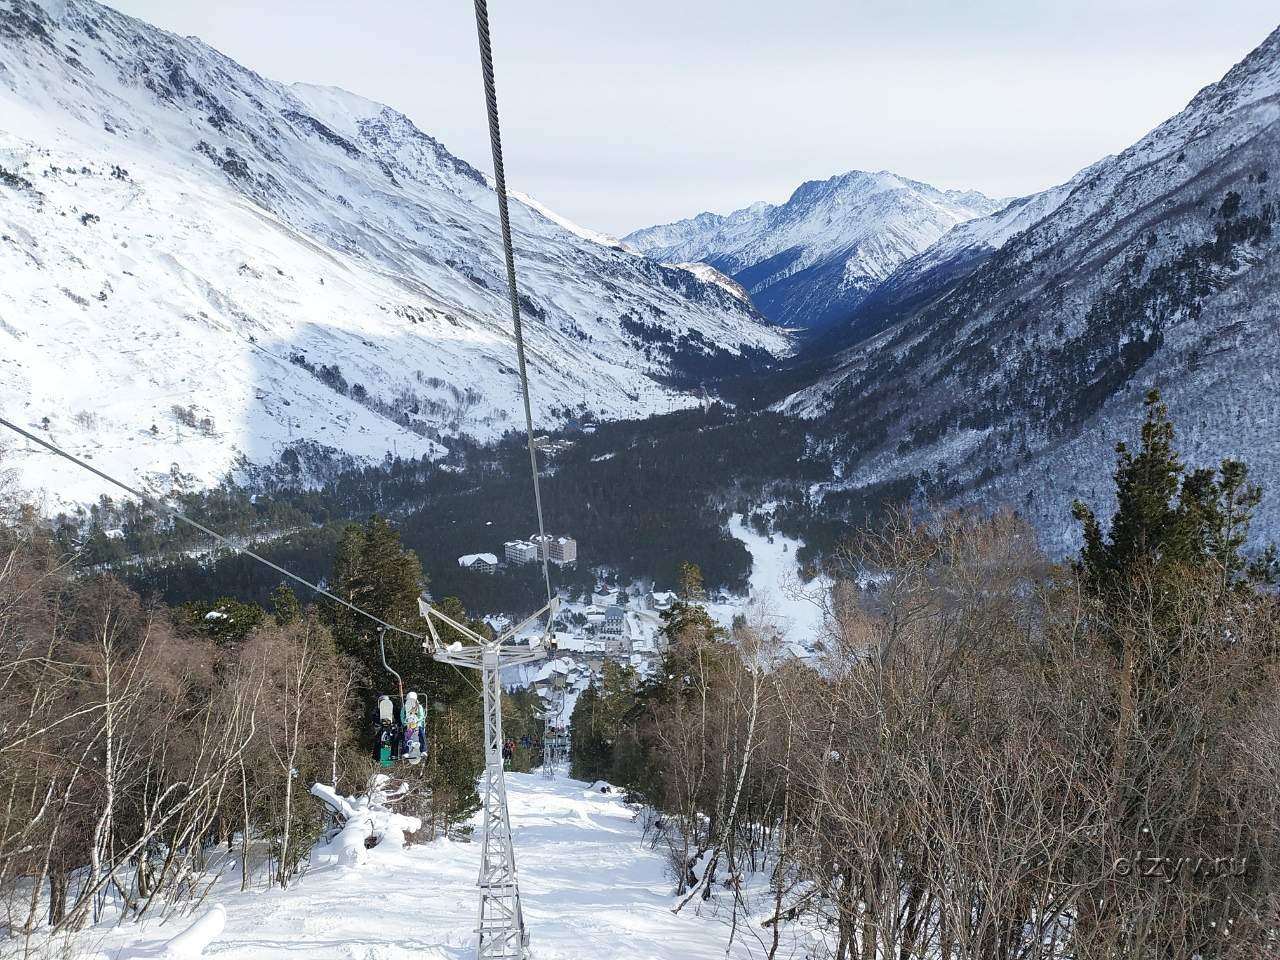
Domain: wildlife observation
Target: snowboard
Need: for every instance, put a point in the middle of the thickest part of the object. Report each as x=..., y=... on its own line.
x=412, y=749
x=386, y=735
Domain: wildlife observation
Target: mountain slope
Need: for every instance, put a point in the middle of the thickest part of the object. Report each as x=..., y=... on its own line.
x=206, y=269
x=808, y=262
x=589, y=881
x=1008, y=378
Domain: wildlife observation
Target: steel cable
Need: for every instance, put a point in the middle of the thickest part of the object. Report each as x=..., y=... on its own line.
x=504, y=217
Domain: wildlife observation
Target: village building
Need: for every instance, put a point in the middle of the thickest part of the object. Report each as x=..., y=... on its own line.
x=559, y=550
x=614, y=620
x=520, y=552
x=660, y=600
x=479, y=562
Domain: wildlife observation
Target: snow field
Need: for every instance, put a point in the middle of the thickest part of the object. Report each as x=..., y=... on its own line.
x=778, y=597
x=592, y=889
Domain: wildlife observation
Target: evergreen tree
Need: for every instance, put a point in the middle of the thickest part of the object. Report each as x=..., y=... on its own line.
x=1228, y=528
x=605, y=716
x=1168, y=519
x=372, y=571
x=1147, y=526
x=284, y=605
x=226, y=621
x=689, y=632
x=589, y=751
x=691, y=588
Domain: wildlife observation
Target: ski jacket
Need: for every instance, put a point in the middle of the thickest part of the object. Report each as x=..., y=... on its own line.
x=411, y=715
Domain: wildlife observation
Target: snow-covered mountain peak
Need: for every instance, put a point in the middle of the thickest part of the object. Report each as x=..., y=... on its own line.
x=809, y=261
x=269, y=266
x=1027, y=338
x=340, y=108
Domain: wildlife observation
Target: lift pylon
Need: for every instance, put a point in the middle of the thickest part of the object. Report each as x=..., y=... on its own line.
x=555, y=743
x=500, y=930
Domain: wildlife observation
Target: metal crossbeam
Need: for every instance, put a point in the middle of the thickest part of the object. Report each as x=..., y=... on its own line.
x=500, y=930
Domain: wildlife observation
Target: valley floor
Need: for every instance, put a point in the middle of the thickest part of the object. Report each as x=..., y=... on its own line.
x=592, y=889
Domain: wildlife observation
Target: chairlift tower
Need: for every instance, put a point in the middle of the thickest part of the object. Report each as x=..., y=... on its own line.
x=500, y=931
x=554, y=742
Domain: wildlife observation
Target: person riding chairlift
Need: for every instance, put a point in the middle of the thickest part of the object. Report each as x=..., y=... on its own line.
x=414, y=719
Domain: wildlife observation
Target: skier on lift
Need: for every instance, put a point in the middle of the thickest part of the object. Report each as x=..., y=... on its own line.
x=414, y=719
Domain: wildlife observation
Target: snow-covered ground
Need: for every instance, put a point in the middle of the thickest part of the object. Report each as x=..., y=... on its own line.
x=591, y=889
x=777, y=595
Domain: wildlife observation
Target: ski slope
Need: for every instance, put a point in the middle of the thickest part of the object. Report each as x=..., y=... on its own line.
x=777, y=596
x=591, y=888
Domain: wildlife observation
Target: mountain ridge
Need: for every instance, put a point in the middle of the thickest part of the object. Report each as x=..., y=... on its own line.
x=809, y=261
x=1026, y=352
x=307, y=241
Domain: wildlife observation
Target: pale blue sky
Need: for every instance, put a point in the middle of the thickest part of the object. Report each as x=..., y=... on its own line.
x=624, y=114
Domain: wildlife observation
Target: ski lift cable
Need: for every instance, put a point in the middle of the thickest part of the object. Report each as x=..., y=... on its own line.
x=504, y=217
x=177, y=514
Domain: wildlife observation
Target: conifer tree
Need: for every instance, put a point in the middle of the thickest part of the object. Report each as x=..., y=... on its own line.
x=689, y=631
x=374, y=572
x=603, y=718
x=1168, y=519
x=589, y=747
x=285, y=607
x=227, y=621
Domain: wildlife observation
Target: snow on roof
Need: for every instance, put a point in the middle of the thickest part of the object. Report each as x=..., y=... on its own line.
x=570, y=641
x=473, y=558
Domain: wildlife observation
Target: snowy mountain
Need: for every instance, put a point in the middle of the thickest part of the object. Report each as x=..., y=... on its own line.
x=1011, y=356
x=207, y=270
x=808, y=262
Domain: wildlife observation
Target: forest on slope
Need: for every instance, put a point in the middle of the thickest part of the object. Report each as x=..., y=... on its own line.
x=998, y=756
x=136, y=739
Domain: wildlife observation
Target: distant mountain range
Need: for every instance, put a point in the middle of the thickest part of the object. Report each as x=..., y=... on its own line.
x=206, y=271
x=1002, y=363
x=808, y=263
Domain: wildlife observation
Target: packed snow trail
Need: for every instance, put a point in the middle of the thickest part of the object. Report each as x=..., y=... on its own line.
x=591, y=890
x=776, y=592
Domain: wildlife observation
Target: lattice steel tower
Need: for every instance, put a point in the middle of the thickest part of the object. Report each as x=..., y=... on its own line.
x=555, y=743
x=500, y=931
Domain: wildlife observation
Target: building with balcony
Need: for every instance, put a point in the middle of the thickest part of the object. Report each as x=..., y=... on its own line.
x=479, y=562
x=520, y=551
